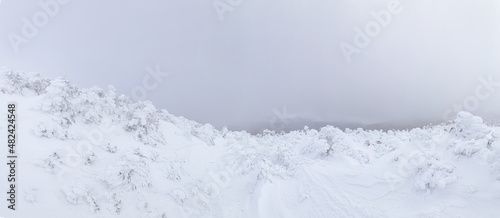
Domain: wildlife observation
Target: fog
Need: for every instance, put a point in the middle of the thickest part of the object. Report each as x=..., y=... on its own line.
x=271, y=64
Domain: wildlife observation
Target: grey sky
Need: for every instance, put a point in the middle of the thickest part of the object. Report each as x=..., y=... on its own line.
x=268, y=55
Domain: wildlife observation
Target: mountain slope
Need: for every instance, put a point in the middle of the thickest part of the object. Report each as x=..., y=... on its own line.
x=94, y=153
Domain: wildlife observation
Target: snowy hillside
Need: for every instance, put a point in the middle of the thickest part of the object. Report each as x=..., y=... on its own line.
x=94, y=153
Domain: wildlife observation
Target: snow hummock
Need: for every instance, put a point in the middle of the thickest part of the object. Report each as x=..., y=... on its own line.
x=94, y=153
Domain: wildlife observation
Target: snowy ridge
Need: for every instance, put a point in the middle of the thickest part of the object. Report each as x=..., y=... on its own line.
x=94, y=153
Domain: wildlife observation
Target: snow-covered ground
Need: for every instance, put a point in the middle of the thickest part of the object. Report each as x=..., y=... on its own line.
x=94, y=153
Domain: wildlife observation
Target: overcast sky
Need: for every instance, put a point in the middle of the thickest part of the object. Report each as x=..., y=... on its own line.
x=264, y=55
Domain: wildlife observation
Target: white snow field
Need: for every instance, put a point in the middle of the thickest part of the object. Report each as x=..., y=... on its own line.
x=93, y=153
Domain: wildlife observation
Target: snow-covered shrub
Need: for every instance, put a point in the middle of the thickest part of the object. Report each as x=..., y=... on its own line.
x=468, y=126
x=91, y=105
x=431, y=173
x=58, y=99
x=79, y=194
x=127, y=176
x=238, y=137
x=378, y=142
x=173, y=169
x=116, y=104
x=76, y=194
x=494, y=139
x=51, y=130
x=340, y=142
x=494, y=161
x=131, y=173
x=421, y=134
x=315, y=147
x=94, y=104
x=247, y=158
x=337, y=140
x=385, y=144
x=206, y=133
x=18, y=83
x=30, y=195
x=179, y=196
x=110, y=148
x=89, y=159
x=66, y=102
x=470, y=135
x=468, y=148
x=144, y=119
x=114, y=202
x=285, y=155
x=154, y=214
x=265, y=157
x=52, y=164
x=358, y=155
x=494, y=155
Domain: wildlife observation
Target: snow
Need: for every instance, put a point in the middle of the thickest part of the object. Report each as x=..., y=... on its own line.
x=94, y=153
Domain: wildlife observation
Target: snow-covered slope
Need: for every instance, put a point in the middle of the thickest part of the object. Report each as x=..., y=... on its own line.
x=93, y=153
